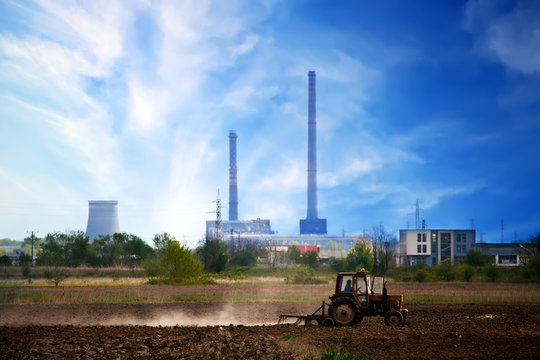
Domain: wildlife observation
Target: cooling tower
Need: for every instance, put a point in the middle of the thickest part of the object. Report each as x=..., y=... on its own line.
x=233, y=182
x=102, y=218
x=312, y=224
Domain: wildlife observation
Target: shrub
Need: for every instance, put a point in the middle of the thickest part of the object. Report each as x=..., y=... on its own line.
x=302, y=275
x=26, y=271
x=493, y=273
x=445, y=272
x=179, y=266
x=243, y=258
x=467, y=272
x=531, y=270
x=5, y=260
x=421, y=275
x=477, y=258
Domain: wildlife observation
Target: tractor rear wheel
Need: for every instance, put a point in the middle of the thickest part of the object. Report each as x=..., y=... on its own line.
x=343, y=311
x=394, y=318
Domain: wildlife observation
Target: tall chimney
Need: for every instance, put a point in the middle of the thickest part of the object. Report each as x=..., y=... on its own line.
x=102, y=218
x=312, y=149
x=233, y=182
x=312, y=224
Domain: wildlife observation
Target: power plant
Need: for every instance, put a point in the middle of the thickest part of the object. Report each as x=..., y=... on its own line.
x=313, y=229
x=218, y=228
x=312, y=224
x=102, y=218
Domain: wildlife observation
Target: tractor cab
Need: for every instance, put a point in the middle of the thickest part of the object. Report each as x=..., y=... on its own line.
x=359, y=285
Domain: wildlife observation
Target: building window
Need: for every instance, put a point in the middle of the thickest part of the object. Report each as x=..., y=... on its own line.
x=419, y=249
x=433, y=261
x=446, y=241
x=464, y=248
x=507, y=259
x=419, y=237
x=424, y=249
x=458, y=238
x=464, y=237
x=459, y=248
x=423, y=237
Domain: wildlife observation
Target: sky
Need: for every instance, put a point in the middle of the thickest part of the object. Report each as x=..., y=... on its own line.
x=435, y=101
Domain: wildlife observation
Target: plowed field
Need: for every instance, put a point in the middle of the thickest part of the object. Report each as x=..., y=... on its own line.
x=242, y=330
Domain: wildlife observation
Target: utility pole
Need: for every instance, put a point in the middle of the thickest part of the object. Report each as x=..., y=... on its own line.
x=32, y=237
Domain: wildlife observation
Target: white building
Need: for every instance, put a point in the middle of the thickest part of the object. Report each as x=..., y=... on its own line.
x=433, y=247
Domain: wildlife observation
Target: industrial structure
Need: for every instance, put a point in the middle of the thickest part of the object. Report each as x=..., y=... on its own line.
x=102, y=218
x=312, y=224
x=219, y=228
x=233, y=181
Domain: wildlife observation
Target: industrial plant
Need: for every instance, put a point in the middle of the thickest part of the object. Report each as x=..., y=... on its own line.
x=102, y=218
x=313, y=230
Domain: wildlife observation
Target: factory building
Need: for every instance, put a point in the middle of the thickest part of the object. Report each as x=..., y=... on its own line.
x=433, y=247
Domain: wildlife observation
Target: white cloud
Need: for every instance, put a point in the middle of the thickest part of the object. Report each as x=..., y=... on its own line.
x=512, y=37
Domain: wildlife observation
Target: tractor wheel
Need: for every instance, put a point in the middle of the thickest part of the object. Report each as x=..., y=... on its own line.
x=394, y=318
x=343, y=311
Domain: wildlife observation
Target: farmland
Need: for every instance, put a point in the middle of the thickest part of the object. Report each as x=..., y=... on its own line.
x=126, y=318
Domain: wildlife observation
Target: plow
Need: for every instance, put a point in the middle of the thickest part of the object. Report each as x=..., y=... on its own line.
x=318, y=317
x=356, y=295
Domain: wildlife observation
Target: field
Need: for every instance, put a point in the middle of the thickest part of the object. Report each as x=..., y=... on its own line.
x=123, y=318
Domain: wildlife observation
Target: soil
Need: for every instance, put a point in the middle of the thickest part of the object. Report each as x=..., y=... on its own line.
x=247, y=330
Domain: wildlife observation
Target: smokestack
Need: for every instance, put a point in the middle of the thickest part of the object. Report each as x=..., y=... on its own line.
x=233, y=181
x=312, y=149
x=102, y=218
x=312, y=224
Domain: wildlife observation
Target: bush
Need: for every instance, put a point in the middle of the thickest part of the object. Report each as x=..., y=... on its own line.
x=302, y=275
x=243, y=258
x=421, y=275
x=445, y=272
x=151, y=266
x=5, y=261
x=493, y=273
x=26, y=271
x=179, y=266
x=531, y=270
x=477, y=258
x=467, y=272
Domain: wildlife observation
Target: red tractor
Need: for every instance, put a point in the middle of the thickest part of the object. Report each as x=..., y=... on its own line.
x=357, y=295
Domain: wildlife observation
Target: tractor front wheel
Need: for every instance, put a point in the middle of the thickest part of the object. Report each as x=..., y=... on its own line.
x=343, y=311
x=394, y=318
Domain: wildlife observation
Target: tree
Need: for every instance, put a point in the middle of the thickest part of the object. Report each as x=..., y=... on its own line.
x=213, y=254
x=477, y=258
x=5, y=260
x=243, y=258
x=67, y=249
x=177, y=264
x=161, y=242
x=359, y=257
x=382, y=243
x=24, y=259
x=293, y=255
x=311, y=259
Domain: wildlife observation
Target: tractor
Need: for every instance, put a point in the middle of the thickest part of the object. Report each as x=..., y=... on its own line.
x=356, y=295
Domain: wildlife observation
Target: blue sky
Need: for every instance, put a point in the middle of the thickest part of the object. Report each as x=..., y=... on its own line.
x=133, y=101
